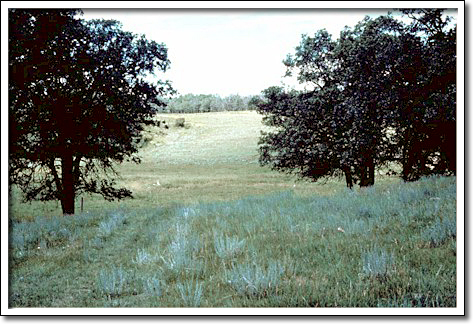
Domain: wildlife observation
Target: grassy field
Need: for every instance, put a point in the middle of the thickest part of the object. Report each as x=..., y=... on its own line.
x=208, y=227
x=213, y=158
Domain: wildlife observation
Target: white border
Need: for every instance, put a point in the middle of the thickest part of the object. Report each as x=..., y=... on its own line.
x=234, y=4
x=459, y=310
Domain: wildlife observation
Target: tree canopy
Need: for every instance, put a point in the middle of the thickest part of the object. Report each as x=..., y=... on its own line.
x=78, y=102
x=382, y=92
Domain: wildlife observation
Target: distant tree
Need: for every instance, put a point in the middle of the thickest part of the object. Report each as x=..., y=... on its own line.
x=191, y=103
x=235, y=103
x=253, y=102
x=77, y=103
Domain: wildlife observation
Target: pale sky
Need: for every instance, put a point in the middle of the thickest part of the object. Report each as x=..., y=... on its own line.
x=230, y=51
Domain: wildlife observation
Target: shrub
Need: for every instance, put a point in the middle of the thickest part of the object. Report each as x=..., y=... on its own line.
x=180, y=122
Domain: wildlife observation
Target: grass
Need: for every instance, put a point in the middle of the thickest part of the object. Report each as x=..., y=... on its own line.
x=220, y=231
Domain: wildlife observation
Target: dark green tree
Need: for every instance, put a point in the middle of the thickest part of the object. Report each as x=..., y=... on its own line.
x=77, y=103
x=347, y=114
x=366, y=57
x=426, y=85
x=307, y=140
x=383, y=92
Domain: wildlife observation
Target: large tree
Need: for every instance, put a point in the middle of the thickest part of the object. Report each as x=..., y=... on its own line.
x=78, y=102
x=425, y=81
x=383, y=92
x=344, y=117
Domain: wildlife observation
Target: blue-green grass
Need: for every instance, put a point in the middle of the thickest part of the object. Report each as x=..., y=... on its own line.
x=392, y=245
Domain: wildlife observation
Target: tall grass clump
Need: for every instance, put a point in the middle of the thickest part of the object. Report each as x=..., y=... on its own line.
x=143, y=257
x=48, y=232
x=191, y=293
x=111, y=283
x=115, y=220
x=179, y=250
x=378, y=264
x=185, y=213
x=253, y=281
x=227, y=247
x=179, y=257
x=442, y=230
x=154, y=287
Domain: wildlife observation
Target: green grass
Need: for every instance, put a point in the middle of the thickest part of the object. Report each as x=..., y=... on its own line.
x=220, y=231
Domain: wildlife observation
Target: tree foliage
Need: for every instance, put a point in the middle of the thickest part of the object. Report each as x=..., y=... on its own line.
x=383, y=92
x=77, y=102
x=426, y=85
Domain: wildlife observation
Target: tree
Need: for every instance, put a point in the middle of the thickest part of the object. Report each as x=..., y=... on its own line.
x=312, y=135
x=383, y=92
x=426, y=84
x=306, y=142
x=77, y=103
x=347, y=113
x=367, y=55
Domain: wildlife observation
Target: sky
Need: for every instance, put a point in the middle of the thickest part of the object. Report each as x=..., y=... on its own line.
x=224, y=51
x=227, y=52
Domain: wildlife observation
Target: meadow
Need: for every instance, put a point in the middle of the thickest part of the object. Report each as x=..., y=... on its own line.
x=209, y=227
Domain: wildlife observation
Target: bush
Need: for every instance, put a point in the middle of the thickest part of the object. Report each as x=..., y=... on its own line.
x=180, y=122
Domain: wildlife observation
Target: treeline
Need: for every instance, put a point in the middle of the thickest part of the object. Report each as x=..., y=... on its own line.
x=191, y=103
x=383, y=94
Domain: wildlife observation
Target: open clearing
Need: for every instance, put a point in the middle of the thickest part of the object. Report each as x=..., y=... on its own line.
x=213, y=158
x=209, y=227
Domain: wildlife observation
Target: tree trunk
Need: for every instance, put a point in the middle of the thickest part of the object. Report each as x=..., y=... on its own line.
x=370, y=164
x=348, y=177
x=367, y=170
x=68, y=192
